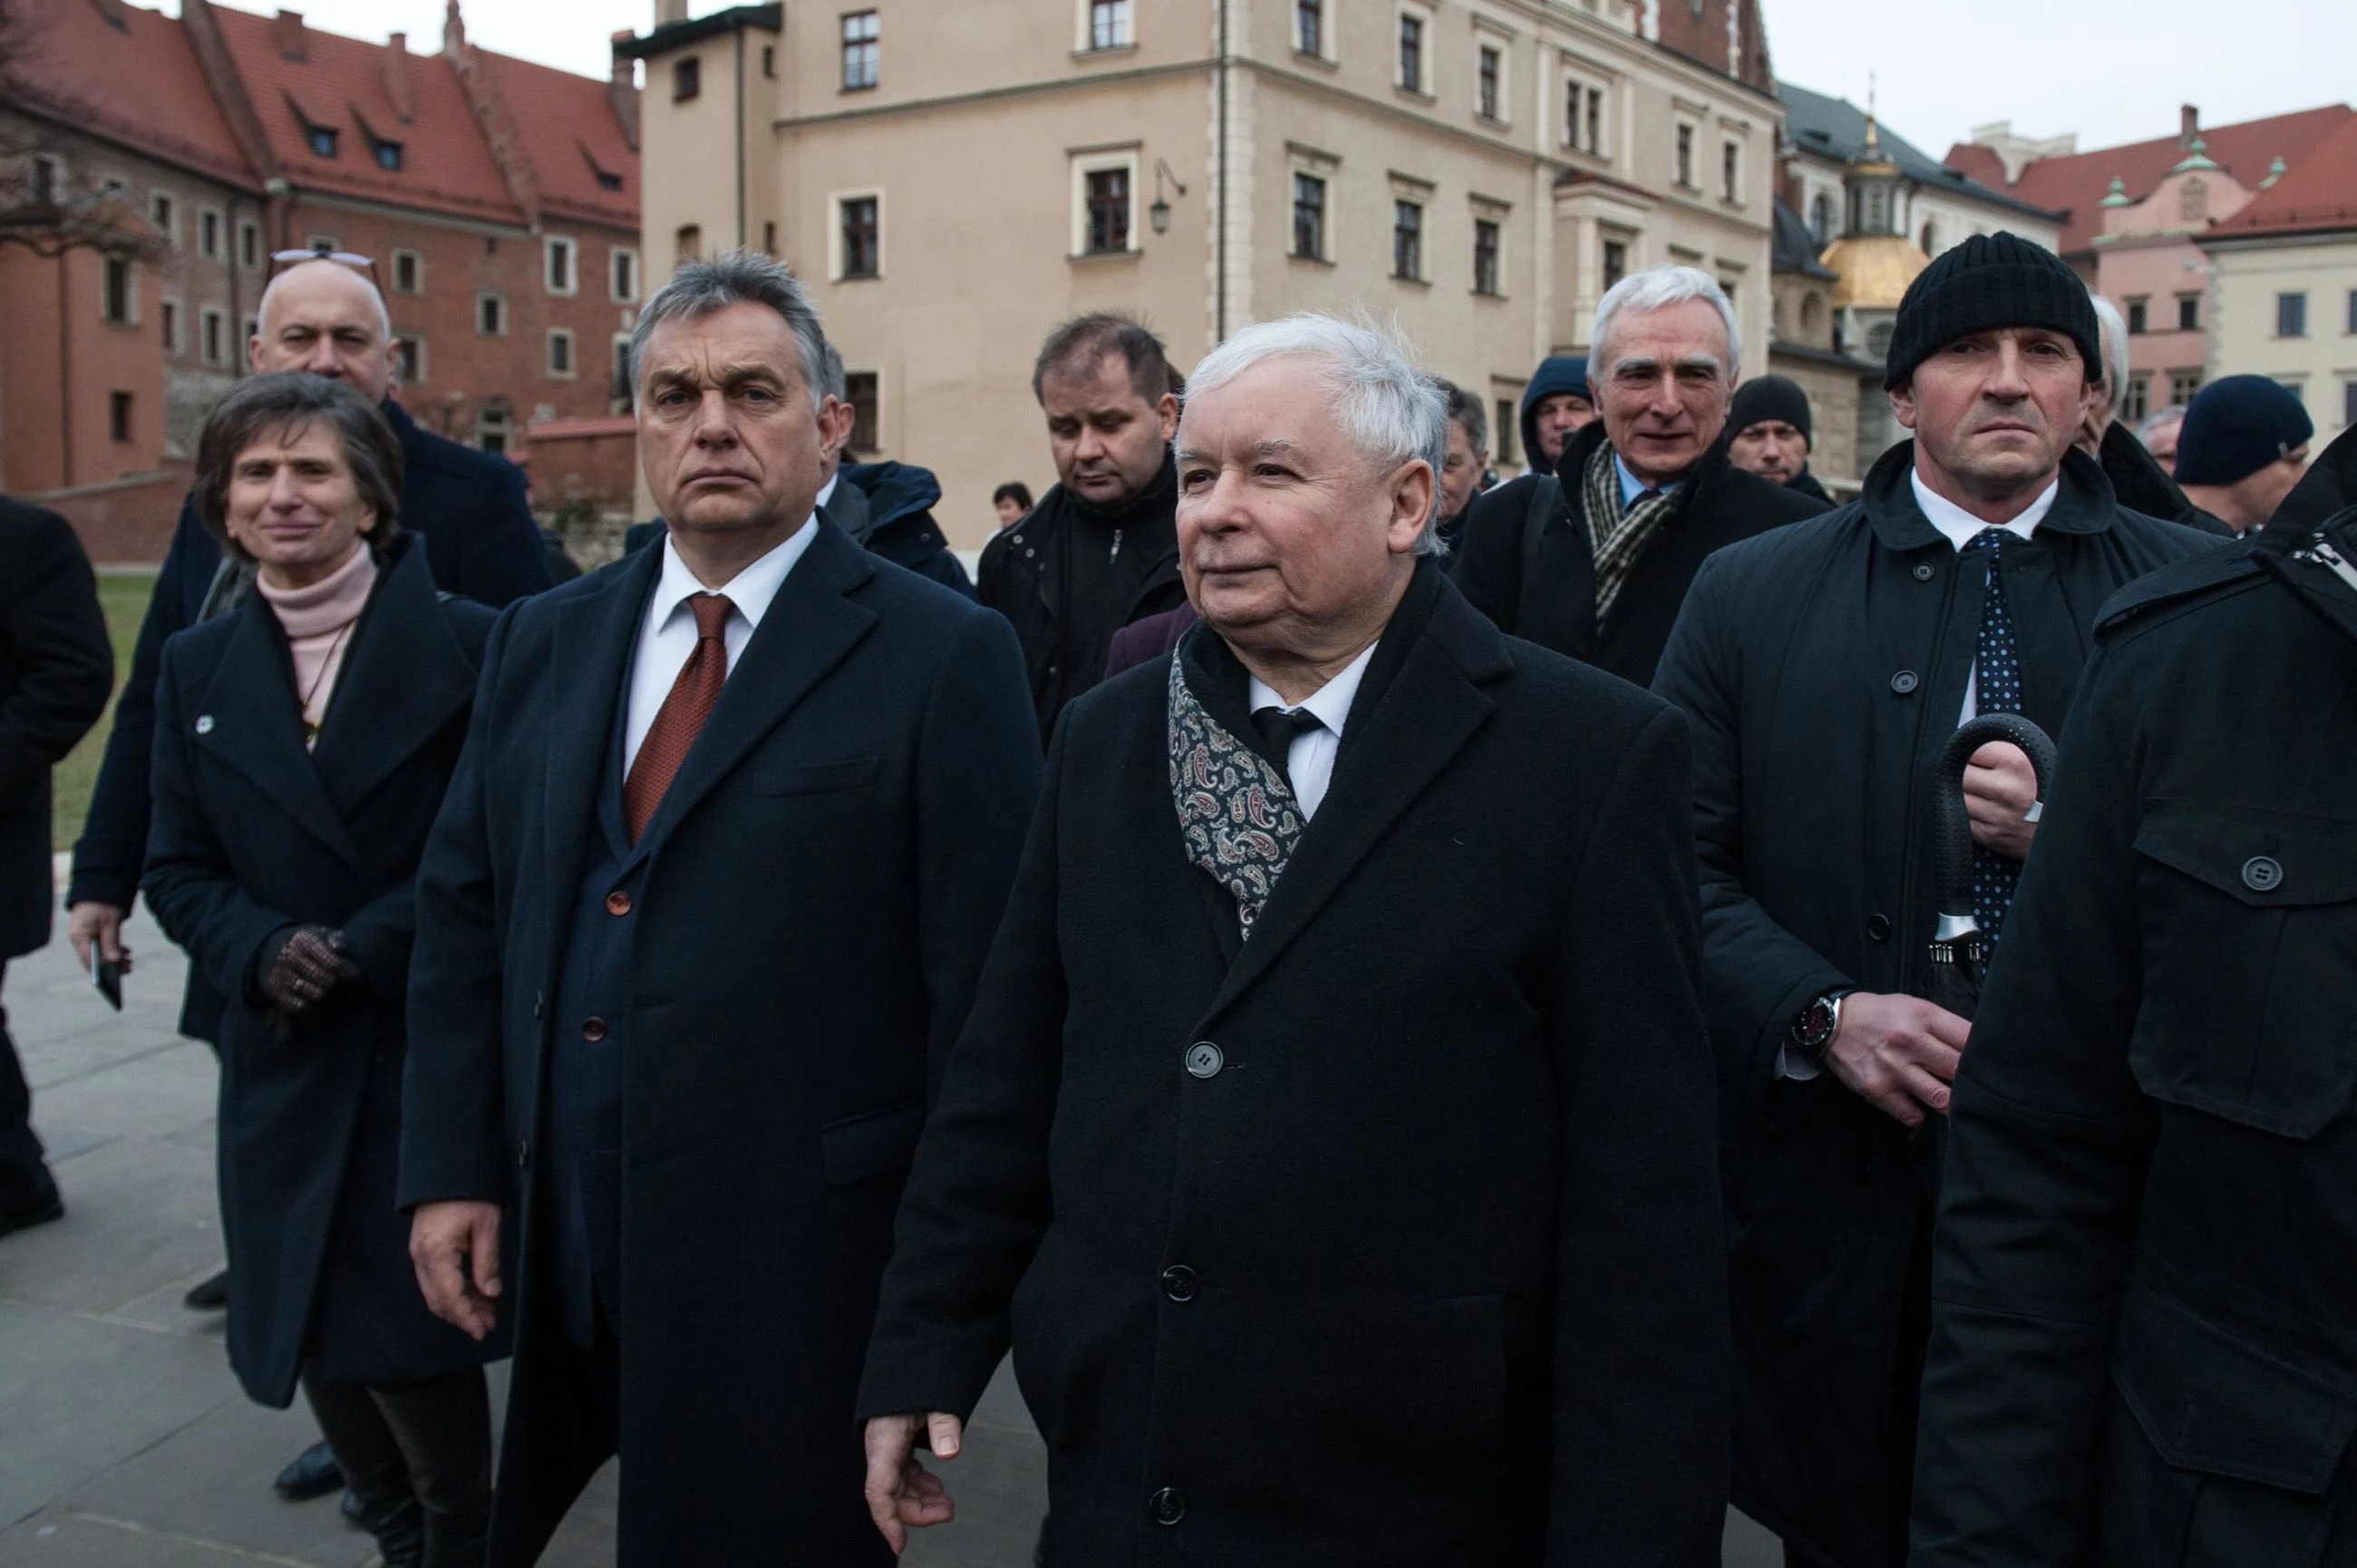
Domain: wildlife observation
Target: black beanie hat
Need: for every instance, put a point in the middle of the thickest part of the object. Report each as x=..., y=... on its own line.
x=1991, y=280
x=1770, y=397
x=2236, y=426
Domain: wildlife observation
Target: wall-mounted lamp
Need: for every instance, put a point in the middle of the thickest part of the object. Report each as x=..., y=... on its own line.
x=1159, y=213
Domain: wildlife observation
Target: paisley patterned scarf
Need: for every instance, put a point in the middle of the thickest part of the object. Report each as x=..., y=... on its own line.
x=1236, y=812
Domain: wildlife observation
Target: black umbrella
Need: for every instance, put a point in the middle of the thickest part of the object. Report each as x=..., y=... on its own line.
x=1960, y=948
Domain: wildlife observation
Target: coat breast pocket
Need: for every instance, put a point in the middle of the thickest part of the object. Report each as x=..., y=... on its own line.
x=812, y=777
x=2250, y=964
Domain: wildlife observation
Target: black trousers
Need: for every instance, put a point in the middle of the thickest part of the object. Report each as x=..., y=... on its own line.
x=24, y=1184
x=419, y=1455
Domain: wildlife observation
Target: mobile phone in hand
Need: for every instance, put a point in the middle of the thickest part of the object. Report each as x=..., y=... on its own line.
x=107, y=975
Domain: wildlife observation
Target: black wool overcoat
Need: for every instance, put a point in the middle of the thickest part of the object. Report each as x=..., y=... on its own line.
x=1388, y=1235
x=1548, y=594
x=253, y=836
x=1823, y=667
x=825, y=874
x=2144, y=1287
x=57, y=668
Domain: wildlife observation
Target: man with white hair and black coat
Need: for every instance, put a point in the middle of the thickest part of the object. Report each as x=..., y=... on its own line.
x=2139, y=481
x=1332, y=1137
x=1594, y=559
x=1824, y=669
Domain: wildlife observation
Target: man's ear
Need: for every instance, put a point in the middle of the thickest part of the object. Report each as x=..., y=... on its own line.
x=1411, y=490
x=835, y=419
x=1902, y=402
x=1166, y=414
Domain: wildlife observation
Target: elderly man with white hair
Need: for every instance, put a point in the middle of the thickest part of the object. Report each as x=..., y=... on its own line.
x=2140, y=482
x=1332, y=1139
x=1594, y=559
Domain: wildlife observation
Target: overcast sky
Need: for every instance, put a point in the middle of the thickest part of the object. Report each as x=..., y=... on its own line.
x=2112, y=71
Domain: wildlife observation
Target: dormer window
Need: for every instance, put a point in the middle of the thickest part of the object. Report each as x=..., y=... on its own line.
x=322, y=139
x=608, y=181
x=388, y=155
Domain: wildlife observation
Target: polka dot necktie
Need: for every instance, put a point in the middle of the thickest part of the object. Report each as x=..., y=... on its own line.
x=1997, y=681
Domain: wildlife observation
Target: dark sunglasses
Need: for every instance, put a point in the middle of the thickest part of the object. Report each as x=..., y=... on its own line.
x=282, y=259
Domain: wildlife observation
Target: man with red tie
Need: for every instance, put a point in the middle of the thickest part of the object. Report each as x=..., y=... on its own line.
x=696, y=929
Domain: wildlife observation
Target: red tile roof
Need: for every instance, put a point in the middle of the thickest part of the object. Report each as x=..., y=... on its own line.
x=138, y=83
x=339, y=85
x=2319, y=192
x=567, y=127
x=2078, y=183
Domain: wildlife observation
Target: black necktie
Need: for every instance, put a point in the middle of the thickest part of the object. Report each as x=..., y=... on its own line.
x=1278, y=728
x=1996, y=683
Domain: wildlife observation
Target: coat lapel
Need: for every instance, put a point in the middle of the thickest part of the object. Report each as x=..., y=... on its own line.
x=595, y=638
x=1431, y=710
x=249, y=721
x=807, y=628
x=405, y=678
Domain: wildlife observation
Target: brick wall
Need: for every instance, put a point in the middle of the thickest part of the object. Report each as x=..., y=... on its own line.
x=127, y=522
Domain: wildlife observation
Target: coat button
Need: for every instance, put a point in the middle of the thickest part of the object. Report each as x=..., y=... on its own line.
x=1179, y=1283
x=2261, y=874
x=523, y=1154
x=1204, y=1060
x=204, y=723
x=594, y=1030
x=618, y=902
x=1167, y=1505
x=1877, y=928
x=1903, y=682
x=1923, y=572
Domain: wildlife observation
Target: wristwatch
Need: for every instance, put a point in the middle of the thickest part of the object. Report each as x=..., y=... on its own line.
x=1814, y=1029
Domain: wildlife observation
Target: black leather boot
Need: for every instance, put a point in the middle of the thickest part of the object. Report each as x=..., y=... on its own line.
x=399, y=1525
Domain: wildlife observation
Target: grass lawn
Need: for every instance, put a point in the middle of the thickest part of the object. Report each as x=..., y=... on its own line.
x=125, y=597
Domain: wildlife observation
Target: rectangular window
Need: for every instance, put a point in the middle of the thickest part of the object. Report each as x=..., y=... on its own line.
x=211, y=328
x=1485, y=84
x=770, y=60
x=490, y=316
x=1309, y=27
x=1730, y=172
x=322, y=139
x=1109, y=24
x=408, y=273
x=208, y=235
x=1505, y=425
x=2352, y=311
x=621, y=385
x=560, y=268
x=171, y=311
x=2139, y=401
x=249, y=245
x=492, y=427
x=409, y=357
x=863, y=249
x=1485, y=257
x=388, y=154
x=2188, y=313
x=2184, y=385
x=1411, y=52
x=859, y=392
x=623, y=277
x=166, y=213
x=2291, y=316
x=2139, y=315
x=118, y=415
x=860, y=45
x=49, y=179
x=769, y=236
x=1615, y=262
x=1686, y=156
x=1407, y=240
x=116, y=301
x=1309, y=217
x=686, y=78
x=1596, y=122
x=687, y=244
x=1108, y=214
x=559, y=354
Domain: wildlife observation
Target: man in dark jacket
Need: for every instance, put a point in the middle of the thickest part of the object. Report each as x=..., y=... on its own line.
x=2144, y=1344
x=1557, y=405
x=1101, y=549
x=2242, y=449
x=1594, y=559
x=1823, y=667
x=1347, y=1191
x=2139, y=481
x=698, y=923
x=1769, y=434
x=57, y=668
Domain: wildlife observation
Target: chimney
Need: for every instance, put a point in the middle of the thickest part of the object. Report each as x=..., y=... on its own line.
x=622, y=88
x=453, y=31
x=396, y=75
x=2189, y=125
x=289, y=36
x=670, y=13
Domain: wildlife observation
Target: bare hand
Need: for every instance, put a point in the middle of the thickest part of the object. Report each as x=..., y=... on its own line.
x=2000, y=787
x=89, y=923
x=455, y=1247
x=1898, y=1053
x=901, y=1492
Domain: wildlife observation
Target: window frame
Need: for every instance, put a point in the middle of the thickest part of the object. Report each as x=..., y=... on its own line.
x=1730, y=171
x=617, y=258
x=1089, y=42
x=164, y=212
x=46, y=177
x=212, y=233
x=564, y=338
x=551, y=247
x=2189, y=304
x=837, y=258
x=1413, y=78
x=619, y=387
x=2136, y=311
x=118, y=289
x=687, y=79
x=1407, y=238
x=417, y=260
x=168, y=315
x=212, y=335
x=2291, y=306
x=1685, y=140
x=871, y=46
x=249, y=242
x=687, y=243
x=2184, y=384
x=1320, y=46
x=1085, y=166
x=874, y=376
x=1489, y=80
x=121, y=417
x=498, y=300
x=1322, y=214
x=409, y=348
x=1496, y=280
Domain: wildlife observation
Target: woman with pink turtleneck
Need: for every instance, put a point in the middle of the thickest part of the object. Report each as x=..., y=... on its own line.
x=304, y=741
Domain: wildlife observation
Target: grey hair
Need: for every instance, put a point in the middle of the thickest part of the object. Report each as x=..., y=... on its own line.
x=1658, y=288
x=835, y=384
x=2159, y=419
x=735, y=277
x=1387, y=407
x=383, y=317
x=2112, y=335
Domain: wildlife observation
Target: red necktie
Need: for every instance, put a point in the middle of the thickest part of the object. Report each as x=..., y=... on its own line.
x=681, y=717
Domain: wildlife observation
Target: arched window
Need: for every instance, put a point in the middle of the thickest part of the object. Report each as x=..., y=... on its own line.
x=1821, y=219
x=1930, y=239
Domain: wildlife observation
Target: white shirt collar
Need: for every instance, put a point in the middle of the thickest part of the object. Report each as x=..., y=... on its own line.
x=750, y=591
x=826, y=491
x=1961, y=526
x=1330, y=704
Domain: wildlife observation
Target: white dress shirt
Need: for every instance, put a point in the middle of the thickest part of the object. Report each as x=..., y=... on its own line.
x=667, y=637
x=826, y=491
x=1310, y=761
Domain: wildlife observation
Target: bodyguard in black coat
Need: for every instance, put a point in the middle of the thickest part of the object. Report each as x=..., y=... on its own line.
x=1823, y=667
x=57, y=667
x=702, y=1047
x=2144, y=1341
x=1367, y=1220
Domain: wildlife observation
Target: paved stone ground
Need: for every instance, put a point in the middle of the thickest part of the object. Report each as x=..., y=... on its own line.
x=125, y=1442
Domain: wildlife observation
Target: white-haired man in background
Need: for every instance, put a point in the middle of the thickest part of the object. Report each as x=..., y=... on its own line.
x=2139, y=480
x=1333, y=1138
x=1594, y=559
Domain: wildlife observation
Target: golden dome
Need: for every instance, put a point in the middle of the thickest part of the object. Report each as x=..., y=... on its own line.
x=1874, y=270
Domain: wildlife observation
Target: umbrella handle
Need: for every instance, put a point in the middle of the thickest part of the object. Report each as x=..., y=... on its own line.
x=1951, y=827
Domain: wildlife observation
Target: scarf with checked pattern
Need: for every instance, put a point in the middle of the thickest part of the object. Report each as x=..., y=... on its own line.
x=1236, y=812
x=1616, y=537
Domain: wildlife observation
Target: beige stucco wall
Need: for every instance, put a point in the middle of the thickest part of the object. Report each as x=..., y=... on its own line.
x=2243, y=339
